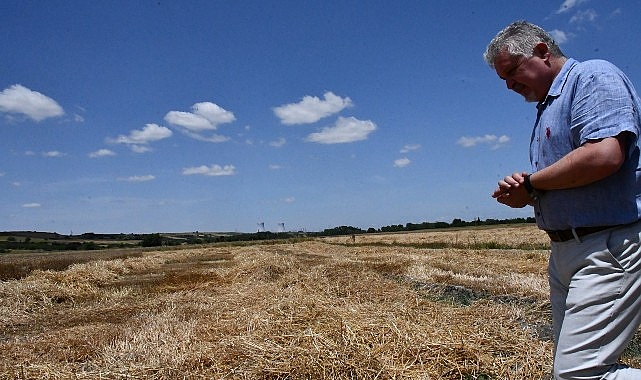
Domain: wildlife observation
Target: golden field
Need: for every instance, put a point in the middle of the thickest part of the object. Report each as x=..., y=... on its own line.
x=379, y=306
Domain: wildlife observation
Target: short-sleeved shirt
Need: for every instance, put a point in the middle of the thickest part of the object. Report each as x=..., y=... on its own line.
x=588, y=100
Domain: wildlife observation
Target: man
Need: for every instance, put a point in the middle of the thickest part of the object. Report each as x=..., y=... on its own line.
x=585, y=187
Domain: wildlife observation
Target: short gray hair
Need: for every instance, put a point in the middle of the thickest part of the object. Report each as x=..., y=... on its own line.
x=519, y=39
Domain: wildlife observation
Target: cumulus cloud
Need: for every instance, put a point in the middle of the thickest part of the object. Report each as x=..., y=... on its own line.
x=139, y=178
x=588, y=15
x=559, y=36
x=204, y=117
x=402, y=162
x=278, y=143
x=188, y=120
x=410, y=147
x=140, y=148
x=53, y=153
x=138, y=139
x=31, y=205
x=311, y=109
x=212, y=171
x=494, y=141
x=346, y=130
x=568, y=5
x=214, y=138
x=18, y=99
x=102, y=153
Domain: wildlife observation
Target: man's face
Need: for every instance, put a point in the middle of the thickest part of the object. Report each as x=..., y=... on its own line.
x=528, y=76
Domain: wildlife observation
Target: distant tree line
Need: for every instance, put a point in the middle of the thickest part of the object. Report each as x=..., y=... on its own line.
x=45, y=241
x=52, y=241
x=456, y=223
x=12, y=243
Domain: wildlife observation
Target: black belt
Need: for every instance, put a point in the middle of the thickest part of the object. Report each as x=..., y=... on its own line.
x=565, y=235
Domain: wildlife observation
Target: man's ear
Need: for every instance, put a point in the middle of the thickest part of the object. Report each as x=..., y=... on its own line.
x=541, y=50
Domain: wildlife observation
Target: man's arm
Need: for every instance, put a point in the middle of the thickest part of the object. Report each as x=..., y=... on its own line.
x=591, y=162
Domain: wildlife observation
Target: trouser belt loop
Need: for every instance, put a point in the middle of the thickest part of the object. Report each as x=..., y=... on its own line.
x=576, y=236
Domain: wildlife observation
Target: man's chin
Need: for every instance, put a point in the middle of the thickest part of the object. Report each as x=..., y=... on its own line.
x=530, y=97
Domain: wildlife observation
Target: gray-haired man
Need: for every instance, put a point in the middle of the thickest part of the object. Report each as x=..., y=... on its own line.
x=585, y=187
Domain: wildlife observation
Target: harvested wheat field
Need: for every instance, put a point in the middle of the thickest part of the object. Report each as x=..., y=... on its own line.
x=378, y=307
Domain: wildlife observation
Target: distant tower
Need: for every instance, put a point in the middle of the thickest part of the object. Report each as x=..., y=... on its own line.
x=281, y=227
x=261, y=226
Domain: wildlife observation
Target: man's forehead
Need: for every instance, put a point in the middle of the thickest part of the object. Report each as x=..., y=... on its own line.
x=504, y=61
x=504, y=56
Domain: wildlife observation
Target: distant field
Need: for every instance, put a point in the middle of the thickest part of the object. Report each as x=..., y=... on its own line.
x=424, y=305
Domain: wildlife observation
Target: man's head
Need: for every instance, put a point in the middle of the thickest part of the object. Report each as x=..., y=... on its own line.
x=527, y=58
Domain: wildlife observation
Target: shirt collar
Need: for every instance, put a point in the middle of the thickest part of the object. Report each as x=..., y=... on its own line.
x=559, y=81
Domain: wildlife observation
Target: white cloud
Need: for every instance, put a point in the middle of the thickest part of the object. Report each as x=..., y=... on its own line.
x=410, y=147
x=289, y=200
x=492, y=140
x=102, y=153
x=311, y=109
x=402, y=162
x=31, y=205
x=141, y=178
x=2, y=174
x=278, y=143
x=204, y=116
x=137, y=140
x=275, y=167
x=149, y=133
x=559, y=36
x=213, y=112
x=568, y=5
x=214, y=138
x=53, y=153
x=140, y=148
x=615, y=13
x=21, y=100
x=588, y=15
x=188, y=120
x=213, y=170
x=346, y=130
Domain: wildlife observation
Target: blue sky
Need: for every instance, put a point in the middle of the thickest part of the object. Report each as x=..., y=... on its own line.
x=167, y=116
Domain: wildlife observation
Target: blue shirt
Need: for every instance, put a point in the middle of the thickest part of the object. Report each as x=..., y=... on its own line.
x=587, y=101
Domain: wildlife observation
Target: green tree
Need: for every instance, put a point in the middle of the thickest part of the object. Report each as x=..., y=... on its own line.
x=151, y=240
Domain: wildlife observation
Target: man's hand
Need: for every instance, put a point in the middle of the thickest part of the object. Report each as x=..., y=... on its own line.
x=591, y=162
x=511, y=191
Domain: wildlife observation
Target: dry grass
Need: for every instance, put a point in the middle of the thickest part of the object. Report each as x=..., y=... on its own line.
x=309, y=310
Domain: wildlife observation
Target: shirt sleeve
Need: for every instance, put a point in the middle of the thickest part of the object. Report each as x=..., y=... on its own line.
x=603, y=106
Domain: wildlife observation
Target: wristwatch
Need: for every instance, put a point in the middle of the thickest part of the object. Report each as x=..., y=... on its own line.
x=534, y=194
